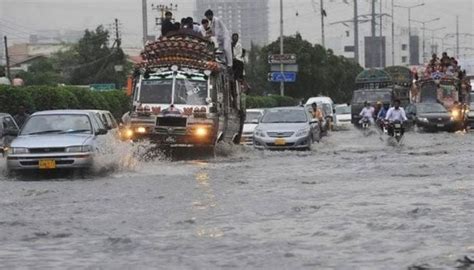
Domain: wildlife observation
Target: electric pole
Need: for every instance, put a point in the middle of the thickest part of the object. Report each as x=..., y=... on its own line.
x=393, y=34
x=7, y=57
x=117, y=33
x=282, y=83
x=381, y=62
x=145, y=22
x=323, y=14
x=356, y=33
x=457, y=36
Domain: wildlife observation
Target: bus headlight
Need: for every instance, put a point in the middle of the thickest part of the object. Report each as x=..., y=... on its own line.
x=201, y=132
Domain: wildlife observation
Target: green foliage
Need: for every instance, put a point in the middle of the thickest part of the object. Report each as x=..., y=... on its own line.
x=42, y=72
x=92, y=60
x=269, y=101
x=320, y=71
x=40, y=98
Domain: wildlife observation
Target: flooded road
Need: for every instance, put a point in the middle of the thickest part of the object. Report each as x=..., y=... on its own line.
x=354, y=202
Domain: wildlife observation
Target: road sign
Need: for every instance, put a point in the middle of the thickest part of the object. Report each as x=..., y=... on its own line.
x=282, y=76
x=102, y=86
x=282, y=58
x=286, y=68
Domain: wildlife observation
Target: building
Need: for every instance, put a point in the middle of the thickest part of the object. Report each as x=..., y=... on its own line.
x=22, y=55
x=248, y=18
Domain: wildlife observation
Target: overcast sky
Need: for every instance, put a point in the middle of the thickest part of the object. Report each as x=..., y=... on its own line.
x=19, y=18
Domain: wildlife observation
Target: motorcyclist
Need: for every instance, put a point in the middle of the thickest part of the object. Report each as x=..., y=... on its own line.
x=395, y=114
x=382, y=114
x=367, y=113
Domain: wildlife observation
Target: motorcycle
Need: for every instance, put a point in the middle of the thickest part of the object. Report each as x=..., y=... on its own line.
x=397, y=130
x=365, y=123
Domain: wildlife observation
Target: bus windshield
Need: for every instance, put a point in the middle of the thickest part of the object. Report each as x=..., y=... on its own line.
x=191, y=91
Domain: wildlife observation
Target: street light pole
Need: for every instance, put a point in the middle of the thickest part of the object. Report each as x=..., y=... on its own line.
x=409, y=28
x=356, y=33
x=282, y=83
x=393, y=34
x=424, y=41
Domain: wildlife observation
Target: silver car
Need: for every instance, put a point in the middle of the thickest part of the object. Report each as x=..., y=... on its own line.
x=286, y=128
x=251, y=121
x=56, y=139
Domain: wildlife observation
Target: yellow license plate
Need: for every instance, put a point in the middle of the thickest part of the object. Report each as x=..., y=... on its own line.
x=46, y=164
x=280, y=142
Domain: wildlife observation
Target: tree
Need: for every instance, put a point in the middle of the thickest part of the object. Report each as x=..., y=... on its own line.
x=92, y=60
x=42, y=72
x=320, y=71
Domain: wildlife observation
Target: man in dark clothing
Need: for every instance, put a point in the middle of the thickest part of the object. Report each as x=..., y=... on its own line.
x=167, y=25
x=21, y=116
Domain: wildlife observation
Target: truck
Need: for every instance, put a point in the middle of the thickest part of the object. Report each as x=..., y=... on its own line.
x=183, y=96
x=372, y=85
x=402, y=78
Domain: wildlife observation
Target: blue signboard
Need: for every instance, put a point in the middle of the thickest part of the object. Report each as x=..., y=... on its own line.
x=282, y=76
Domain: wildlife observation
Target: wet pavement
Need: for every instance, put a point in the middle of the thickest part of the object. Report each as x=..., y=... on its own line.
x=354, y=202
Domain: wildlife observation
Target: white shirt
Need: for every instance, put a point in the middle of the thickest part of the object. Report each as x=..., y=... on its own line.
x=367, y=112
x=238, y=52
x=396, y=115
x=219, y=30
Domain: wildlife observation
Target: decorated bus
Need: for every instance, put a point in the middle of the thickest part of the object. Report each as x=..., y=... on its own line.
x=182, y=95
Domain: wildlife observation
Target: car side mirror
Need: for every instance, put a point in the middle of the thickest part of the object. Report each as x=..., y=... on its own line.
x=101, y=131
x=334, y=111
x=314, y=121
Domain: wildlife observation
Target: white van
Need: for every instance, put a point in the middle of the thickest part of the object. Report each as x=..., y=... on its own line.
x=328, y=105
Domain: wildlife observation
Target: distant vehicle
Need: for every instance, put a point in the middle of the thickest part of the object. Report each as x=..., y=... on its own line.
x=108, y=122
x=325, y=125
x=402, y=78
x=342, y=115
x=251, y=121
x=430, y=117
x=107, y=119
x=372, y=96
x=327, y=106
x=8, y=130
x=56, y=139
x=286, y=128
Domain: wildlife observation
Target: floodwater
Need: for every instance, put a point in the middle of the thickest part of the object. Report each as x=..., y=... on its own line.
x=354, y=202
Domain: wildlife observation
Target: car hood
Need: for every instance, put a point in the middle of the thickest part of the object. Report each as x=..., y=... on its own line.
x=282, y=127
x=434, y=115
x=56, y=140
x=249, y=128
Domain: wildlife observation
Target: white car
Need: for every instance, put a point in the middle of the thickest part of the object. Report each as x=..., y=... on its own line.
x=343, y=116
x=56, y=139
x=251, y=121
x=326, y=101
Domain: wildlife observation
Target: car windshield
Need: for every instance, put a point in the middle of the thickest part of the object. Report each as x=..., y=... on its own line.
x=431, y=108
x=343, y=110
x=285, y=116
x=188, y=91
x=251, y=117
x=372, y=96
x=57, y=123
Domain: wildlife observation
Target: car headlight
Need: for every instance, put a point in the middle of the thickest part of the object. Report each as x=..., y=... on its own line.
x=141, y=130
x=17, y=150
x=423, y=119
x=456, y=113
x=259, y=133
x=79, y=149
x=302, y=132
